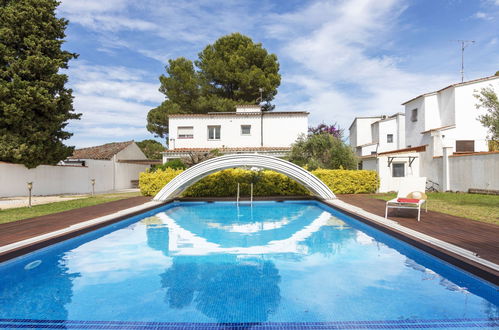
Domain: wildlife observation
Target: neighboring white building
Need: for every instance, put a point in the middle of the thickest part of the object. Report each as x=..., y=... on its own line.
x=439, y=126
x=371, y=135
x=118, y=164
x=248, y=129
x=113, y=166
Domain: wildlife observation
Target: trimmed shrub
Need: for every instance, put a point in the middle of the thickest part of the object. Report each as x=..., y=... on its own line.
x=150, y=183
x=265, y=182
x=349, y=181
x=176, y=164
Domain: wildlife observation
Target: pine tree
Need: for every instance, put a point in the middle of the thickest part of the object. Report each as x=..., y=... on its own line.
x=35, y=106
x=230, y=71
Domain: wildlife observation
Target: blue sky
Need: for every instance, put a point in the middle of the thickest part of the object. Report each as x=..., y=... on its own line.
x=339, y=59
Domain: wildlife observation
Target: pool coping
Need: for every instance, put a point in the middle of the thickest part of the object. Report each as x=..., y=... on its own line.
x=453, y=254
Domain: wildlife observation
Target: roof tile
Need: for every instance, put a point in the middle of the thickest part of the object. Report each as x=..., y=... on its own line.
x=105, y=151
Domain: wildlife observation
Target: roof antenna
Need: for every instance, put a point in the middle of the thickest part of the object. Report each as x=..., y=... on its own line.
x=464, y=44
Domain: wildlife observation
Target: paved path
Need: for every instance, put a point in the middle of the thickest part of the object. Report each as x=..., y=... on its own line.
x=19, y=230
x=479, y=237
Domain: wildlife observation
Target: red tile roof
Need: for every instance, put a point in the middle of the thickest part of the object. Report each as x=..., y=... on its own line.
x=224, y=150
x=439, y=129
x=411, y=149
x=105, y=151
x=265, y=113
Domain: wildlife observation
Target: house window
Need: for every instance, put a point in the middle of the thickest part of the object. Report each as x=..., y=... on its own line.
x=185, y=132
x=465, y=146
x=398, y=170
x=213, y=132
x=389, y=138
x=414, y=115
x=245, y=129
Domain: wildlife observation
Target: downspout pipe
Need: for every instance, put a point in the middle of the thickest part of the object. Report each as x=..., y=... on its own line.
x=261, y=127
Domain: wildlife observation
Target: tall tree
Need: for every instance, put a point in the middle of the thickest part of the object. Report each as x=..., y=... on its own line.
x=333, y=129
x=322, y=150
x=151, y=148
x=35, y=106
x=488, y=100
x=230, y=71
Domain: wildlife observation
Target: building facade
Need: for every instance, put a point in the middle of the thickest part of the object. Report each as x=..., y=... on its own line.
x=248, y=129
x=372, y=135
x=437, y=127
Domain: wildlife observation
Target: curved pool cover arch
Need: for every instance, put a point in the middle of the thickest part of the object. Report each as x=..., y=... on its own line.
x=203, y=169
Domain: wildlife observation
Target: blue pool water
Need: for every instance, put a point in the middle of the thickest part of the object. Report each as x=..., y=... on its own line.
x=290, y=265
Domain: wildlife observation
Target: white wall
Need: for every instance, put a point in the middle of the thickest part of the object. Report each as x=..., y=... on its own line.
x=368, y=150
x=387, y=181
x=451, y=106
x=131, y=152
x=55, y=180
x=125, y=173
x=282, y=131
x=467, y=125
x=279, y=130
x=479, y=171
x=360, y=131
x=413, y=130
x=388, y=126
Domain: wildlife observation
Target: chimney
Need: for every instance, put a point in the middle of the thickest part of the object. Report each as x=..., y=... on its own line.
x=245, y=108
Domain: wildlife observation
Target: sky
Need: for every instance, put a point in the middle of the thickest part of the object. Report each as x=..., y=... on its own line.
x=339, y=59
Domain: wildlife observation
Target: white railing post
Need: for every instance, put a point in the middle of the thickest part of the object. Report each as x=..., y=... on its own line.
x=251, y=194
x=237, y=198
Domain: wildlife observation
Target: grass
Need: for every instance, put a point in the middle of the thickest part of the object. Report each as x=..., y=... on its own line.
x=477, y=207
x=10, y=215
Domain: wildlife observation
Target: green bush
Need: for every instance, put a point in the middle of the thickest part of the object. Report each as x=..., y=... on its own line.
x=150, y=183
x=176, y=164
x=265, y=182
x=349, y=181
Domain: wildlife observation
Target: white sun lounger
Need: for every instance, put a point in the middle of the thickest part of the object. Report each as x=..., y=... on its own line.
x=410, y=188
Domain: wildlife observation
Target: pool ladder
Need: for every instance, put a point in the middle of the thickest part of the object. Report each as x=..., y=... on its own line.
x=238, y=193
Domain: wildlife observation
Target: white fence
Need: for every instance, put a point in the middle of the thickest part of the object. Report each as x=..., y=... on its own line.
x=55, y=180
x=479, y=170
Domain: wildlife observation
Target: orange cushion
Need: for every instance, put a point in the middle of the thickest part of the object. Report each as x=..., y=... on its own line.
x=407, y=200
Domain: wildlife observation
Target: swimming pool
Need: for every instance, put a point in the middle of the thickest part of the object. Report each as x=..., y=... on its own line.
x=294, y=264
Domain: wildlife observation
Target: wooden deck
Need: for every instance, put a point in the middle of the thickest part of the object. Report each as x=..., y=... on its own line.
x=23, y=229
x=479, y=237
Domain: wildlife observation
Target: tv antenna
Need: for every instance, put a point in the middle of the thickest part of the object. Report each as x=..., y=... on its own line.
x=464, y=44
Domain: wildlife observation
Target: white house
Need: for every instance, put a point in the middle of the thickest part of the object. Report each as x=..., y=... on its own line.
x=439, y=127
x=371, y=135
x=248, y=129
x=113, y=166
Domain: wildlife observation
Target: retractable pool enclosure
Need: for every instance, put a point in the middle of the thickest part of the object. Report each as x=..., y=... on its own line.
x=199, y=171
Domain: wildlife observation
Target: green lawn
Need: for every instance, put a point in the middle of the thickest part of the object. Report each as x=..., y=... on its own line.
x=478, y=207
x=20, y=213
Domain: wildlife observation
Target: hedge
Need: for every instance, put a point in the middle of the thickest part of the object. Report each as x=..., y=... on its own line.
x=150, y=183
x=349, y=181
x=266, y=182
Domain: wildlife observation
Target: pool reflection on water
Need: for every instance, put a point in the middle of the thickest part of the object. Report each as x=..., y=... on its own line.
x=219, y=262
